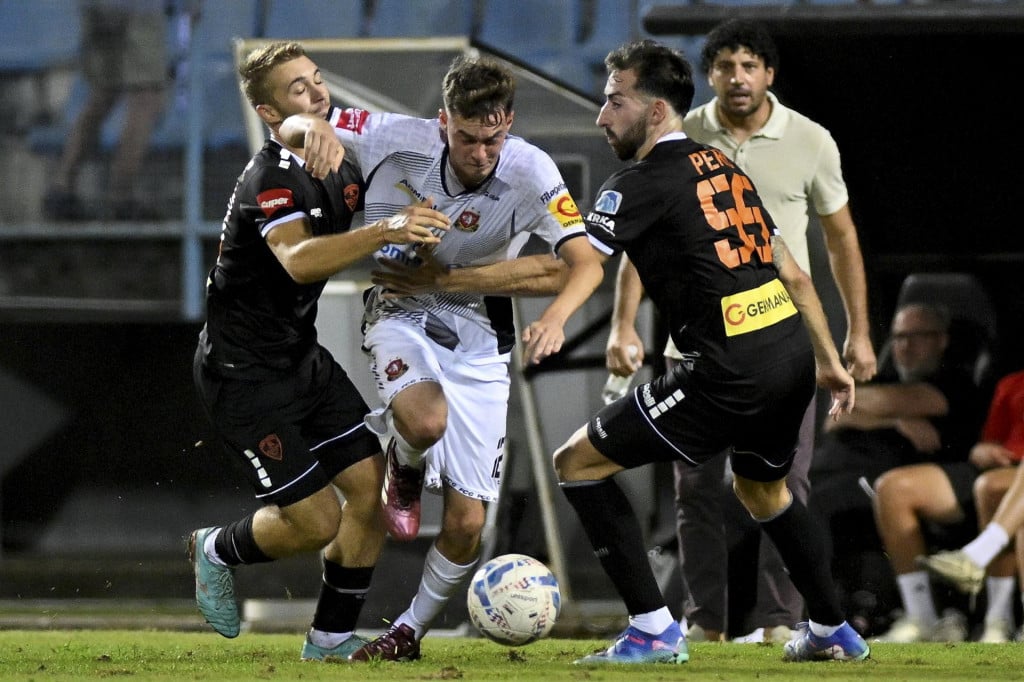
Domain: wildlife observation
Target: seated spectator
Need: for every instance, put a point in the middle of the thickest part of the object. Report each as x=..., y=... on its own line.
x=918, y=410
x=999, y=498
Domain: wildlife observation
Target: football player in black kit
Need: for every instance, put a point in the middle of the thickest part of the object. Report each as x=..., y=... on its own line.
x=279, y=401
x=754, y=339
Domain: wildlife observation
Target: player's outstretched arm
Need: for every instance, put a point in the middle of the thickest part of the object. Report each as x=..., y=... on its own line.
x=629, y=291
x=537, y=275
x=307, y=258
x=545, y=336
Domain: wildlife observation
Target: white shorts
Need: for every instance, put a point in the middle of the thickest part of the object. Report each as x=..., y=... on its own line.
x=469, y=457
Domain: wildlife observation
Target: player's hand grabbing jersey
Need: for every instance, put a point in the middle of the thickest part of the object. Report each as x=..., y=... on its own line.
x=258, y=316
x=404, y=160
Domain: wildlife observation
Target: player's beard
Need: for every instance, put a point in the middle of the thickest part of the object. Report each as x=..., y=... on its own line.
x=628, y=144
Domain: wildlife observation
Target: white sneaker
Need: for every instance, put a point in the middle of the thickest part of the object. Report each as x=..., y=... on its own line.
x=996, y=632
x=755, y=637
x=952, y=627
x=780, y=634
x=905, y=630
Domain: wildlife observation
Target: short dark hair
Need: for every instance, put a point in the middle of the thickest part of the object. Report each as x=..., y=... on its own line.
x=734, y=34
x=257, y=65
x=478, y=88
x=660, y=71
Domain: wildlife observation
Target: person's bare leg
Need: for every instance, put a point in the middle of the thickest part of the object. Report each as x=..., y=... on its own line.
x=82, y=139
x=142, y=112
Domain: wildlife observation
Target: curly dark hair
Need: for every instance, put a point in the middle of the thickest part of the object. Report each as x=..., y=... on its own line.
x=734, y=34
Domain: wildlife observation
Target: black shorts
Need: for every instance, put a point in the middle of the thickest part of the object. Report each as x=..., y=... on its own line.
x=291, y=434
x=689, y=416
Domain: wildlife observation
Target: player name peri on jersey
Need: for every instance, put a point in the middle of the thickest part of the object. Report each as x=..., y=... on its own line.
x=709, y=160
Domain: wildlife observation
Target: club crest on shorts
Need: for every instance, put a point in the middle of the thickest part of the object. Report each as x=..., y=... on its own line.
x=395, y=369
x=271, y=447
x=469, y=221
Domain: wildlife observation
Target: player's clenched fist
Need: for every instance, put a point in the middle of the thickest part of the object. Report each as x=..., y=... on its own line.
x=415, y=224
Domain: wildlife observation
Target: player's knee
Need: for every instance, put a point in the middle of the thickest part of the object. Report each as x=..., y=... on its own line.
x=577, y=459
x=317, y=532
x=424, y=428
x=463, y=530
x=564, y=463
x=762, y=500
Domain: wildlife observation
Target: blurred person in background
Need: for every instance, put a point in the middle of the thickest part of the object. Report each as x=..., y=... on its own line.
x=918, y=419
x=999, y=499
x=125, y=56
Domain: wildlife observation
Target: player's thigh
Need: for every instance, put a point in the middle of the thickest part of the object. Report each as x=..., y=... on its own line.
x=470, y=457
x=401, y=356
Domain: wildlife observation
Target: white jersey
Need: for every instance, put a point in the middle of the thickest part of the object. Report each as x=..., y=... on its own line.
x=405, y=160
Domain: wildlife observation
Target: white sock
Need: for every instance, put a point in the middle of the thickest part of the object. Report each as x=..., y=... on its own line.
x=823, y=630
x=1000, y=592
x=652, y=622
x=916, y=592
x=211, y=550
x=328, y=640
x=406, y=454
x=441, y=579
x=989, y=543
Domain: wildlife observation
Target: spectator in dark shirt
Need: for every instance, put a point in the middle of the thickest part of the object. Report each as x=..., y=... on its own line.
x=918, y=411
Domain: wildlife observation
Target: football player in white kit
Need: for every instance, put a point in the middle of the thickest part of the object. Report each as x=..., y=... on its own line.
x=440, y=359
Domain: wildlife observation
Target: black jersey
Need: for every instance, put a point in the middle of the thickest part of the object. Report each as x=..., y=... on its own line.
x=258, y=318
x=693, y=225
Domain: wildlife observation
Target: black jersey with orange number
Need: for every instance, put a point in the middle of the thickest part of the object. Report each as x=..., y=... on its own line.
x=696, y=230
x=258, y=317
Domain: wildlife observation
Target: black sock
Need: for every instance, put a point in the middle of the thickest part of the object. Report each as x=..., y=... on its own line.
x=342, y=595
x=615, y=535
x=235, y=544
x=801, y=544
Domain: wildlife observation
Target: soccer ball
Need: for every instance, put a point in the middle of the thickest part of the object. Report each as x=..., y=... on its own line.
x=513, y=600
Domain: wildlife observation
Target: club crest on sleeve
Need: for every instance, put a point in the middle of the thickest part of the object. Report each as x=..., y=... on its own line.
x=608, y=202
x=351, y=194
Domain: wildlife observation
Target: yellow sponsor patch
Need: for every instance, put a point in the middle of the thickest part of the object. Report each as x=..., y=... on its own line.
x=565, y=211
x=757, y=308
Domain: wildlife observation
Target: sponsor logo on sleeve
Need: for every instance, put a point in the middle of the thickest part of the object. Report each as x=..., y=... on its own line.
x=608, y=202
x=757, y=308
x=604, y=222
x=352, y=119
x=273, y=199
x=565, y=211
